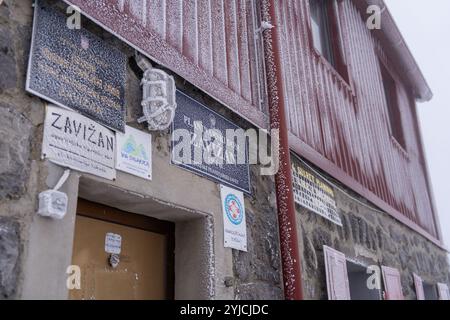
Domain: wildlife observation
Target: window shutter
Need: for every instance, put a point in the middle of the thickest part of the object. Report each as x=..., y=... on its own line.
x=336, y=274
x=418, y=283
x=444, y=293
x=392, y=284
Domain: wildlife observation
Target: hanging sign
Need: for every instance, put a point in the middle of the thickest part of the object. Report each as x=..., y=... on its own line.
x=75, y=69
x=74, y=141
x=134, y=152
x=313, y=193
x=197, y=120
x=234, y=224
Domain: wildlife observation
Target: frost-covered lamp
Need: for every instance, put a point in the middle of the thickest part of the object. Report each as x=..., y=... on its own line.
x=158, y=102
x=53, y=203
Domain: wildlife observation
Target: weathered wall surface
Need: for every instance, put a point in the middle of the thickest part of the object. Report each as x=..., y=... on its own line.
x=258, y=271
x=23, y=175
x=20, y=117
x=369, y=238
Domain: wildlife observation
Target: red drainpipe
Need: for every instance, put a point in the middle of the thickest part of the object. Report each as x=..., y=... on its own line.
x=283, y=179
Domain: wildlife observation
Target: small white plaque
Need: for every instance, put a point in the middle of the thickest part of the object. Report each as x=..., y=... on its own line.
x=113, y=243
x=234, y=224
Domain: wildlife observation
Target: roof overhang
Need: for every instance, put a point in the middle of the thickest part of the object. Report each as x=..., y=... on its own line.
x=397, y=50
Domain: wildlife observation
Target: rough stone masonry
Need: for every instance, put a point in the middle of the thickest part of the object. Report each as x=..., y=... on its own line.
x=17, y=142
x=257, y=274
x=368, y=237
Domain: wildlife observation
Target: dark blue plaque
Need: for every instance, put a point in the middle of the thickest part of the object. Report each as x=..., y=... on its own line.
x=190, y=111
x=75, y=69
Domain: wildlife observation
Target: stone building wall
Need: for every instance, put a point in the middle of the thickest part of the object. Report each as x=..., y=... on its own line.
x=367, y=237
x=23, y=174
x=20, y=119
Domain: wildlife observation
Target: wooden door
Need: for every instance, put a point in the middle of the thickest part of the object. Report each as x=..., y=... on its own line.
x=122, y=255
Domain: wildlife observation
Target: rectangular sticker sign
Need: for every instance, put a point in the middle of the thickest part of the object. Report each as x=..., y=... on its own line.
x=113, y=243
x=134, y=152
x=74, y=141
x=234, y=223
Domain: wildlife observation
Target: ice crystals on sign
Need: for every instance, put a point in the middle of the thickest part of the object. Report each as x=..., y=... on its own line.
x=75, y=141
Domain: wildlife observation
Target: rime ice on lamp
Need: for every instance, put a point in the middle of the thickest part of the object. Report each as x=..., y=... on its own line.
x=53, y=203
x=159, y=103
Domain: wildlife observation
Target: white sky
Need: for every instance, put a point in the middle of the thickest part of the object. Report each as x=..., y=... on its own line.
x=425, y=26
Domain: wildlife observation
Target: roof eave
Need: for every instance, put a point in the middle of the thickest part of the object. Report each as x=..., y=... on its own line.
x=398, y=51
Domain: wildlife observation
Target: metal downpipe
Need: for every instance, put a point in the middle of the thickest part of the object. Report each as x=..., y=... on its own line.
x=283, y=179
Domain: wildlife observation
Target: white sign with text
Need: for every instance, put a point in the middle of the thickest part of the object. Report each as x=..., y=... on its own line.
x=75, y=141
x=234, y=224
x=113, y=243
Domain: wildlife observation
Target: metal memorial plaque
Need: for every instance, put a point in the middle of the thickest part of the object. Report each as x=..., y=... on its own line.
x=75, y=69
x=189, y=113
x=313, y=193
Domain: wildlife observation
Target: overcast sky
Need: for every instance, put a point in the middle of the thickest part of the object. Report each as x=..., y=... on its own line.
x=426, y=27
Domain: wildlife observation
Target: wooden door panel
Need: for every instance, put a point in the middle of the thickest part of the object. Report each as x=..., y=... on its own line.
x=145, y=269
x=444, y=292
x=392, y=283
x=337, y=275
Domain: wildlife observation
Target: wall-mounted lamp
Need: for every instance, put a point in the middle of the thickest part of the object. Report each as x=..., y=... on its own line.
x=158, y=102
x=53, y=203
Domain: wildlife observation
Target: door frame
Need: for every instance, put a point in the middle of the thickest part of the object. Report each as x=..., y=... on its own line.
x=97, y=211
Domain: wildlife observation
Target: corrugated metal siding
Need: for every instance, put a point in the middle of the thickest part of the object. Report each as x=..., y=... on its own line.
x=210, y=43
x=348, y=125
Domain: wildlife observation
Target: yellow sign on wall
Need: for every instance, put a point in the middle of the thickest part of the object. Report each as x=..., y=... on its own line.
x=313, y=193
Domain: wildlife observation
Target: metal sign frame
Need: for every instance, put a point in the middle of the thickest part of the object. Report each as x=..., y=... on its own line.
x=121, y=114
x=197, y=171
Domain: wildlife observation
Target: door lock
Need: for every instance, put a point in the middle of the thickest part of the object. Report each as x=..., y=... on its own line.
x=114, y=260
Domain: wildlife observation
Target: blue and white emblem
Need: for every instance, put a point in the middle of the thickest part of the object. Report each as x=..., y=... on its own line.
x=234, y=209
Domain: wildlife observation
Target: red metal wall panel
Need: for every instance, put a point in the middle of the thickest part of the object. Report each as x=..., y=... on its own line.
x=344, y=127
x=341, y=127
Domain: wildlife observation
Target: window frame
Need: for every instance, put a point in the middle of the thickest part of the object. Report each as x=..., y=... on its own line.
x=393, y=106
x=337, y=42
x=363, y=268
